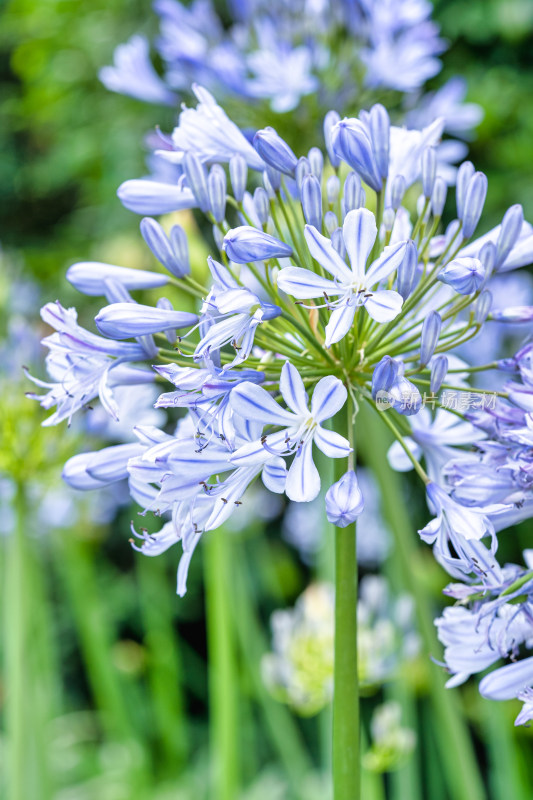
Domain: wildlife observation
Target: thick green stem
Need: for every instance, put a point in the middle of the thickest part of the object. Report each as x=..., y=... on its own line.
x=223, y=677
x=346, y=744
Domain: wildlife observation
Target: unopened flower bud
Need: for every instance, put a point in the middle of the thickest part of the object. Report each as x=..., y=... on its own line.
x=487, y=256
x=124, y=320
x=466, y=275
x=196, y=175
x=238, y=172
x=216, y=184
x=406, y=275
x=333, y=188
x=330, y=221
x=397, y=191
x=380, y=127
x=385, y=374
x=474, y=201
x=483, y=306
x=388, y=219
x=510, y=231
x=350, y=141
x=514, y=314
x=464, y=174
x=261, y=205
x=303, y=168
x=438, y=197
x=430, y=336
x=429, y=171
x=354, y=194
x=275, y=151
x=344, y=501
x=439, y=370
x=330, y=120
x=246, y=244
x=316, y=161
x=312, y=201
x=90, y=277
x=337, y=240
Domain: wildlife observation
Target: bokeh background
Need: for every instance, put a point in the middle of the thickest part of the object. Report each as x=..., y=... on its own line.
x=105, y=688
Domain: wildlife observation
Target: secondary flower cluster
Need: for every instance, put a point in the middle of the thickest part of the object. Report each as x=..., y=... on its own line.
x=326, y=53
x=332, y=286
x=299, y=670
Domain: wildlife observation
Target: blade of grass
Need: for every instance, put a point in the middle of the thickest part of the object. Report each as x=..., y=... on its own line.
x=158, y=603
x=77, y=567
x=223, y=674
x=285, y=735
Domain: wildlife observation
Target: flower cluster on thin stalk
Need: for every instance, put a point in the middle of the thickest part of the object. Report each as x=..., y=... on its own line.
x=332, y=284
x=275, y=56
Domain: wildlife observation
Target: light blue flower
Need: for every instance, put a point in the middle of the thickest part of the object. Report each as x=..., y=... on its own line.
x=301, y=427
x=353, y=285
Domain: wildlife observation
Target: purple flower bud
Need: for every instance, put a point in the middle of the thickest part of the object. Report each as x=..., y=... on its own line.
x=350, y=141
x=344, y=501
x=316, y=161
x=330, y=221
x=429, y=336
x=101, y=467
x=513, y=314
x=196, y=175
x=337, y=240
x=464, y=174
x=439, y=370
x=164, y=302
x=466, y=275
x=238, y=171
x=312, y=201
x=90, y=277
x=385, y=374
x=380, y=127
x=272, y=181
x=487, y=256
x=216, y=185
x=398, y=188
x=330, y=120
x=438, y=197
x=218, y=236
x=261, y=205
x=246, y=244
x=474, y=201
x=354, y=194
x=389, y=216
x=509, y=232
x=406, y=275
x=483, y=306
x=172, y=252
x=333, y=187
x=124, y=320
x=275, y=151
x=303, y=168
x=429, y=170
x=152, y=197
x=506, y=682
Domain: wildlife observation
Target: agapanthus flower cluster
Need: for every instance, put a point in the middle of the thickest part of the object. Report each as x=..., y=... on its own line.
x=299, y=670
x=332, y=284
x=323, y=54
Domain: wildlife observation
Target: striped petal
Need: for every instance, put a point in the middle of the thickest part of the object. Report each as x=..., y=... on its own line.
x=359, y=232
x=304, y=284
x=323, y=251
